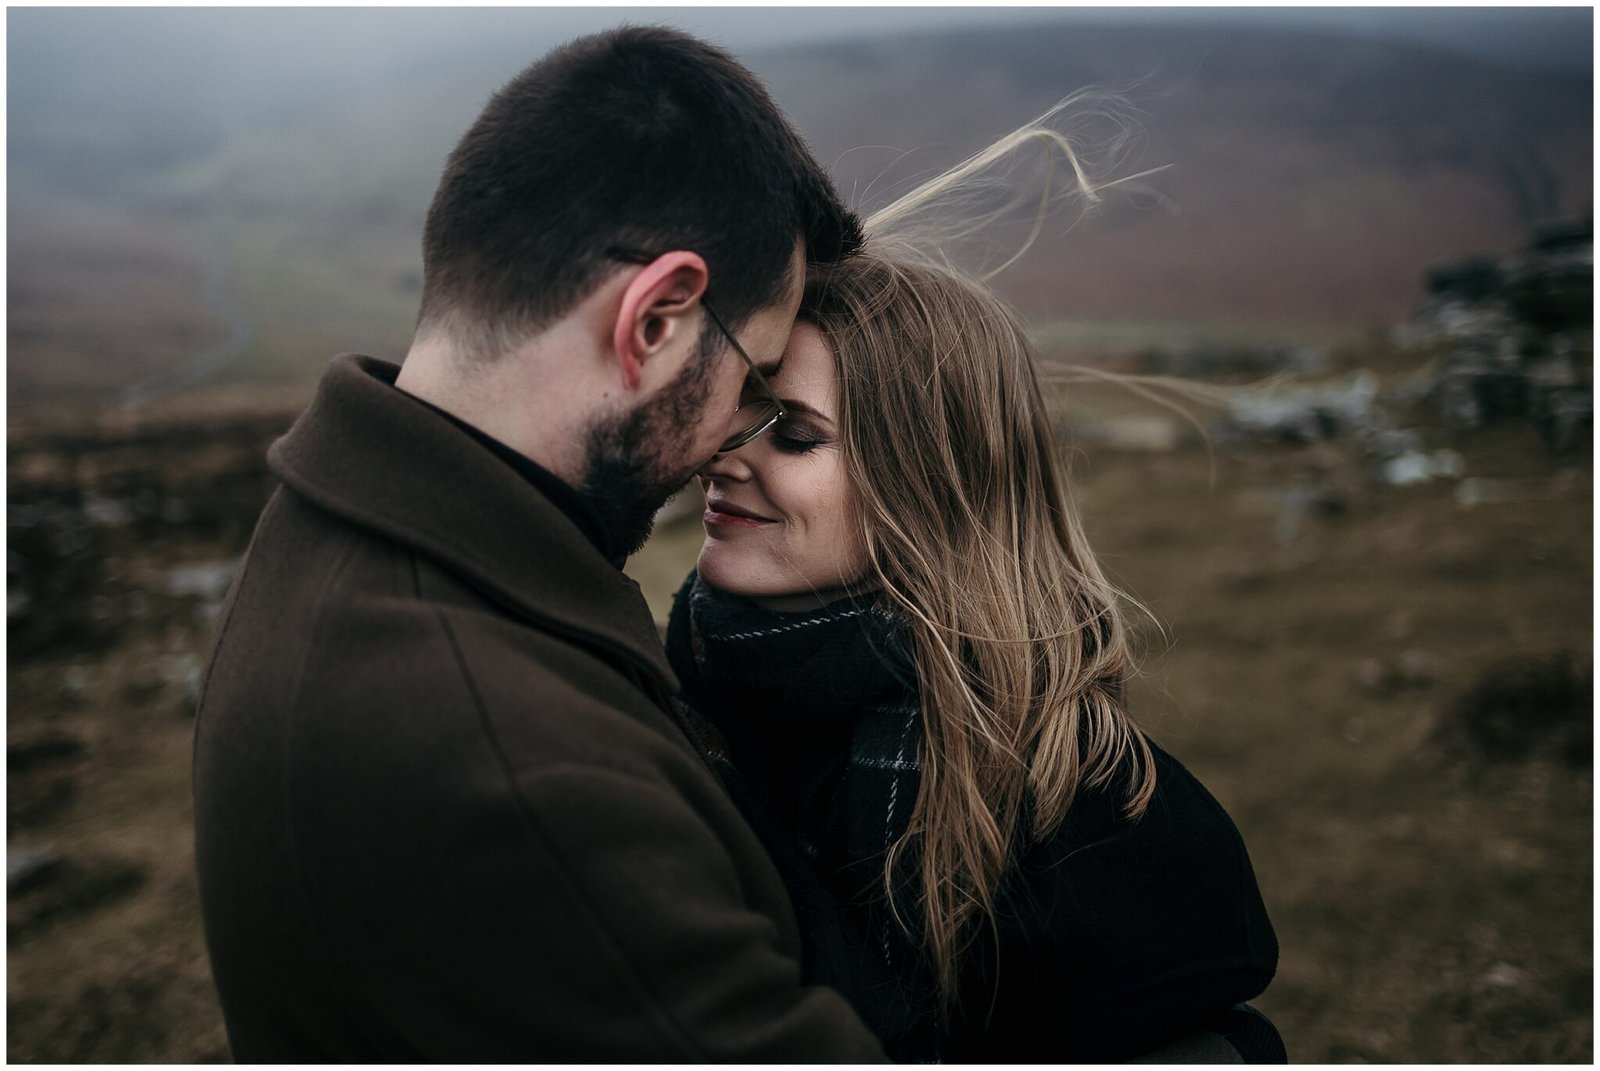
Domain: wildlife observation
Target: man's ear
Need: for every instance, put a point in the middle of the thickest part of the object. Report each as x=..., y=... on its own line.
x=656, y=309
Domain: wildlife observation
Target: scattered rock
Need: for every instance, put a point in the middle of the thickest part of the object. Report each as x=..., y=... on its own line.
x=204, y=580
x=183, y=672
x=1504, y=976
x=107, y=512
x=1415, y=668
x=1304, y=414
x=1415, y=466
x=27, y=867
x=1514, y=337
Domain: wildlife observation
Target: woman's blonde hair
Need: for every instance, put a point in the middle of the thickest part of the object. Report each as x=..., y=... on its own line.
x=1018, y=638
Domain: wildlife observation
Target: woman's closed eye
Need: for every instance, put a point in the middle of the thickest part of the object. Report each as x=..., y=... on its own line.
x=796, y=437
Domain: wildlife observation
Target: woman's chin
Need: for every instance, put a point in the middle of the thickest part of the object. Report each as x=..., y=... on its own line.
x=727, y=569
x=722, y=570
x=732, y=569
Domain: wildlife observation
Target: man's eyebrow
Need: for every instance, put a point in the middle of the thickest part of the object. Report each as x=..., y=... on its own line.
x=771, y=368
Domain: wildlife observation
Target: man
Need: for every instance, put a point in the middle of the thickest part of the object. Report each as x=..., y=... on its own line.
x=442, y=809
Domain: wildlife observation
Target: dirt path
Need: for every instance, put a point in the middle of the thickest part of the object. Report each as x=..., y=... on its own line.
x=241, y=333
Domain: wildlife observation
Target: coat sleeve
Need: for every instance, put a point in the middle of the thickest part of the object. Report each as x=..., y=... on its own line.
x=544, y=883
x=1118, y=937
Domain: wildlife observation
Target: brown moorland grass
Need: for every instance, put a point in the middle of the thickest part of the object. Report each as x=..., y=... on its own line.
x=1428, y=910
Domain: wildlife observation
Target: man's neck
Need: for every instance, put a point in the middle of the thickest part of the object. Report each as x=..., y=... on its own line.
x=567, y=498
x=506, y=398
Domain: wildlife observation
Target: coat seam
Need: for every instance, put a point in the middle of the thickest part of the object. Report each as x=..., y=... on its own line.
x=530, y=816
x=341, y=984
x=216, y=649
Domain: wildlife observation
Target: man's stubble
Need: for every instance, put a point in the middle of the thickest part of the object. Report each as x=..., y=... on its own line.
x=638, y=459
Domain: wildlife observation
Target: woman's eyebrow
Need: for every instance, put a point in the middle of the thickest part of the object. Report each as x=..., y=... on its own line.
x=796, y=405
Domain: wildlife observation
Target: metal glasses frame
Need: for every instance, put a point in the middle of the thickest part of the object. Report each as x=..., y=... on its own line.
x=768, y=410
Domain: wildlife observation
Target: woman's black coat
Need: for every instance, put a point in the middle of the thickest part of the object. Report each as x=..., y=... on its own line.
x=1112, y=937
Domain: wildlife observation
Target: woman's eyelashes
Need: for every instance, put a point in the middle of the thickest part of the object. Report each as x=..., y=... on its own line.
x=793, y=437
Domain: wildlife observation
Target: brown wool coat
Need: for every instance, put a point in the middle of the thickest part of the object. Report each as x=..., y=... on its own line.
x=441, y=811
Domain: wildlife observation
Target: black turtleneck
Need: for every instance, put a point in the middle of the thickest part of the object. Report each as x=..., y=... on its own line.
x=568, y=499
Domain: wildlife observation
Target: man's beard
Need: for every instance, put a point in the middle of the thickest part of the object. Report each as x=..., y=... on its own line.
x=635, y=458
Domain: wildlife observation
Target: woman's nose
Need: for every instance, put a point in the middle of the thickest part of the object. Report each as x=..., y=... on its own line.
x=726, y=465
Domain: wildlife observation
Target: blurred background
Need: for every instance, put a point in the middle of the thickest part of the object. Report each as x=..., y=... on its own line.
x=1369, y=569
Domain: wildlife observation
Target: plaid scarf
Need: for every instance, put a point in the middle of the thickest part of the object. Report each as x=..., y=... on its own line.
x=812, y=721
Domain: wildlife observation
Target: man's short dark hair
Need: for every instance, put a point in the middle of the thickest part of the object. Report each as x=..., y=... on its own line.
x=639, y=138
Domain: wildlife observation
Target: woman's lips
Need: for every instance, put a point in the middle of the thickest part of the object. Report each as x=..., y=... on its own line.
x=727, y=515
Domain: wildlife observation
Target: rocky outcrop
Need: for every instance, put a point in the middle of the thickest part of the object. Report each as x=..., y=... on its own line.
x=1513, y=338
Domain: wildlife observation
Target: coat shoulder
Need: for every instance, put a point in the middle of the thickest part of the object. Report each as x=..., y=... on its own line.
x=1122, y=931
x=1167, y=889
x=443, y=663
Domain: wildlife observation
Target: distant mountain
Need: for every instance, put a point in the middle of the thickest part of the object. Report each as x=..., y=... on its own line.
x=1313, y=178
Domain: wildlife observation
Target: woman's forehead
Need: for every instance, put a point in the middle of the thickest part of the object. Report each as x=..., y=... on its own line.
x=808, y=371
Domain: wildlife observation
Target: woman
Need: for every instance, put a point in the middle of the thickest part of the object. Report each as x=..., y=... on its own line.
x=910, y=670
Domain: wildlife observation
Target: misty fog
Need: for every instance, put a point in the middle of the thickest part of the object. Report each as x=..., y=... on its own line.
x=180, y=177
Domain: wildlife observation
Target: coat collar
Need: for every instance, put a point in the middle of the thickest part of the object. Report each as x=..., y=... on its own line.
x=370, y=455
